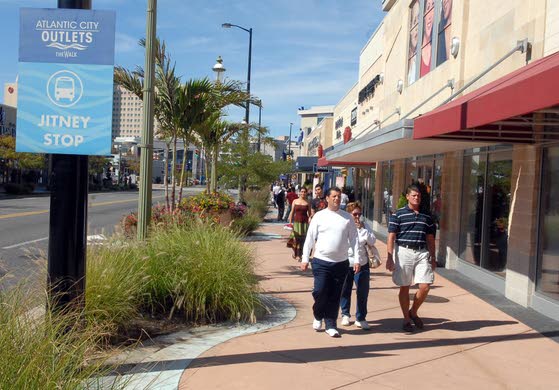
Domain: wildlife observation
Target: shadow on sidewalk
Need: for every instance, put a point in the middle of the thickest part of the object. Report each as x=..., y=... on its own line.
x=314, y=355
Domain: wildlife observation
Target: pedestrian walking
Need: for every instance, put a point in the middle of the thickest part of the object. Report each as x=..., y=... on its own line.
x=290, y=197
x=411, y=255
x=361, y=279
x=331, y=233
x=344, y=201
x=299, y=218
x=280, y=201
x=275, y=189
x=319, y=201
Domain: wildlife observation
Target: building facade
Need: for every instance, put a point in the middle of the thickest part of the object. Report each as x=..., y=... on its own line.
x=460, y=98
x=10, y=94
x=8, y=120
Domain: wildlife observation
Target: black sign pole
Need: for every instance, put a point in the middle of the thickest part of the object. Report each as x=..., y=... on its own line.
x=68, y=218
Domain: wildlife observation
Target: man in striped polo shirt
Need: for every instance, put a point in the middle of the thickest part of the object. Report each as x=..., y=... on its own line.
x=412, y=259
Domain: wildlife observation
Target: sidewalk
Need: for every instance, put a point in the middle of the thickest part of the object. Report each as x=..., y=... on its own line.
x=466, y=343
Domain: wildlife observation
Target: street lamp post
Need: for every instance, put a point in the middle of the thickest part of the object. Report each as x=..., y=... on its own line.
x=289, y=140
x=219, y=69
x=247, y=112
x=259, y=124
x=249, y=31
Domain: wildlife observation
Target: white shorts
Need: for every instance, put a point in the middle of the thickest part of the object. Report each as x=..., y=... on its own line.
x=412, y=267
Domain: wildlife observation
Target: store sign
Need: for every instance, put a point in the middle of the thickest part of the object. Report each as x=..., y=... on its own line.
x=317, y=168
x=65, y=81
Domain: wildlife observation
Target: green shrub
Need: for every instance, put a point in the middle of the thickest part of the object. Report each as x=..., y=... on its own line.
x=257, y=201
x=116, y=282
x=18, y=189
x=247, y=223
x=203, y=272
x=46, y=351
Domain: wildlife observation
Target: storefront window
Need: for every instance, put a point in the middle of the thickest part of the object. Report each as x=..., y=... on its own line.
x=499, y=184
x=472, y=208
x=548, y=267
x=485, y=210
x=369, y=194
x=387, y=196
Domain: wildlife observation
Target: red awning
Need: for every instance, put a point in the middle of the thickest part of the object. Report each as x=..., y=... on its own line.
x=322, y=162
x=501, y=110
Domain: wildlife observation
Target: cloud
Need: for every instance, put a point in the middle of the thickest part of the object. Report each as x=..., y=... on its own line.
x=126, y=43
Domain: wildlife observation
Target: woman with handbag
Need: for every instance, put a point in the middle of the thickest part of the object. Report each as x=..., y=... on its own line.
x=299, y=218
x=361, y=279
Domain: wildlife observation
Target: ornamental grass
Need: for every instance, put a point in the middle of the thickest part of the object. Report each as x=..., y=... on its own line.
x=201, y=273
x=47, y=350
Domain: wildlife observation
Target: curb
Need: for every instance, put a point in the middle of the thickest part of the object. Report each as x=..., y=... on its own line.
x=163, y=368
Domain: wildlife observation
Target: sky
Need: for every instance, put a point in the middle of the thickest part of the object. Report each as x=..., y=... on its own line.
x=304, y=52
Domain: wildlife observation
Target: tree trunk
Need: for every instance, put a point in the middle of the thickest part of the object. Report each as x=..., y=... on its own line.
x=206, y=170
x=166, y=176
x=215, y=153
x=174, y=173
x=183, y=169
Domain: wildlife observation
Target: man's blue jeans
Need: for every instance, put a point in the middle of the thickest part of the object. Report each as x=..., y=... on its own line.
x=328, y=282
x=361, y=280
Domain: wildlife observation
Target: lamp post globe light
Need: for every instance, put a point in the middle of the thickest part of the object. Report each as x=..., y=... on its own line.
x=219, y=69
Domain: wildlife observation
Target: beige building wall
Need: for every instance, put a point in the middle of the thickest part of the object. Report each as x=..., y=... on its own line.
x=127, y=113
x=10, y=94
x=371, y=65
x=487, y=31
x=551, y=44
x=321, y=135
x=342, y=114
x=309, y=122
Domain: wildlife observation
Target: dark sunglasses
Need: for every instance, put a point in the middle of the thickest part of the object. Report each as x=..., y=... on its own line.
x=356, y=214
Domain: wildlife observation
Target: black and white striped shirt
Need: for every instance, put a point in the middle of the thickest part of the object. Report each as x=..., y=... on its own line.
x=411, y=228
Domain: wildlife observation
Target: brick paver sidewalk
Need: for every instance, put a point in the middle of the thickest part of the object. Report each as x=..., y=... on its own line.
x=466, y=343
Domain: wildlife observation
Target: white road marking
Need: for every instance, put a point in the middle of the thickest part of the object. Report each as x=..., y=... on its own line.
x=96, y=238
x=25, y=243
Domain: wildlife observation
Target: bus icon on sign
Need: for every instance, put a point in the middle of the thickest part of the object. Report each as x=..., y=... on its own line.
x=64, y=88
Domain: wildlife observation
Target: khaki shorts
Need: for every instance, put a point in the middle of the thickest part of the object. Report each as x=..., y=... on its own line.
x=412, y=267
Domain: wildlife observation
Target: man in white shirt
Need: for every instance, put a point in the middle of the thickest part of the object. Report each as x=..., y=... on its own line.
x=331, y=233
x=275, y=190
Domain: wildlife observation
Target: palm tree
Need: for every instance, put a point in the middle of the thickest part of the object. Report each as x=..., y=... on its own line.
x=167, y=114
x=211, y=130
x=192, y=109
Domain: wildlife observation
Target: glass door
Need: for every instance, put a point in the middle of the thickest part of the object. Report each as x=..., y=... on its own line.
x=498, y=198
x=548, y=265
x=486, y=197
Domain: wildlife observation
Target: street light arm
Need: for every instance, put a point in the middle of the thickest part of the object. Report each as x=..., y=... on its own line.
x=229, y=25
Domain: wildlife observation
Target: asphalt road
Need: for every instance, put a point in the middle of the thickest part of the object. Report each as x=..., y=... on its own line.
x=24, y=229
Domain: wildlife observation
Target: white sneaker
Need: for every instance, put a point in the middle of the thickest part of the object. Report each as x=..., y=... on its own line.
x=333, y=332
x=317, y=325
x=362, y=324
x=345, y=321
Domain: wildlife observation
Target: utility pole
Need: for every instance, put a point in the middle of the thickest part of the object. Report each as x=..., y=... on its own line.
x=68, y=218
x=146, y=155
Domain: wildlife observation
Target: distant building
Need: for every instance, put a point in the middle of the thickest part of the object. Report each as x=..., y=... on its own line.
x=7, y=120
x=10, y=94
x=127, y=113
